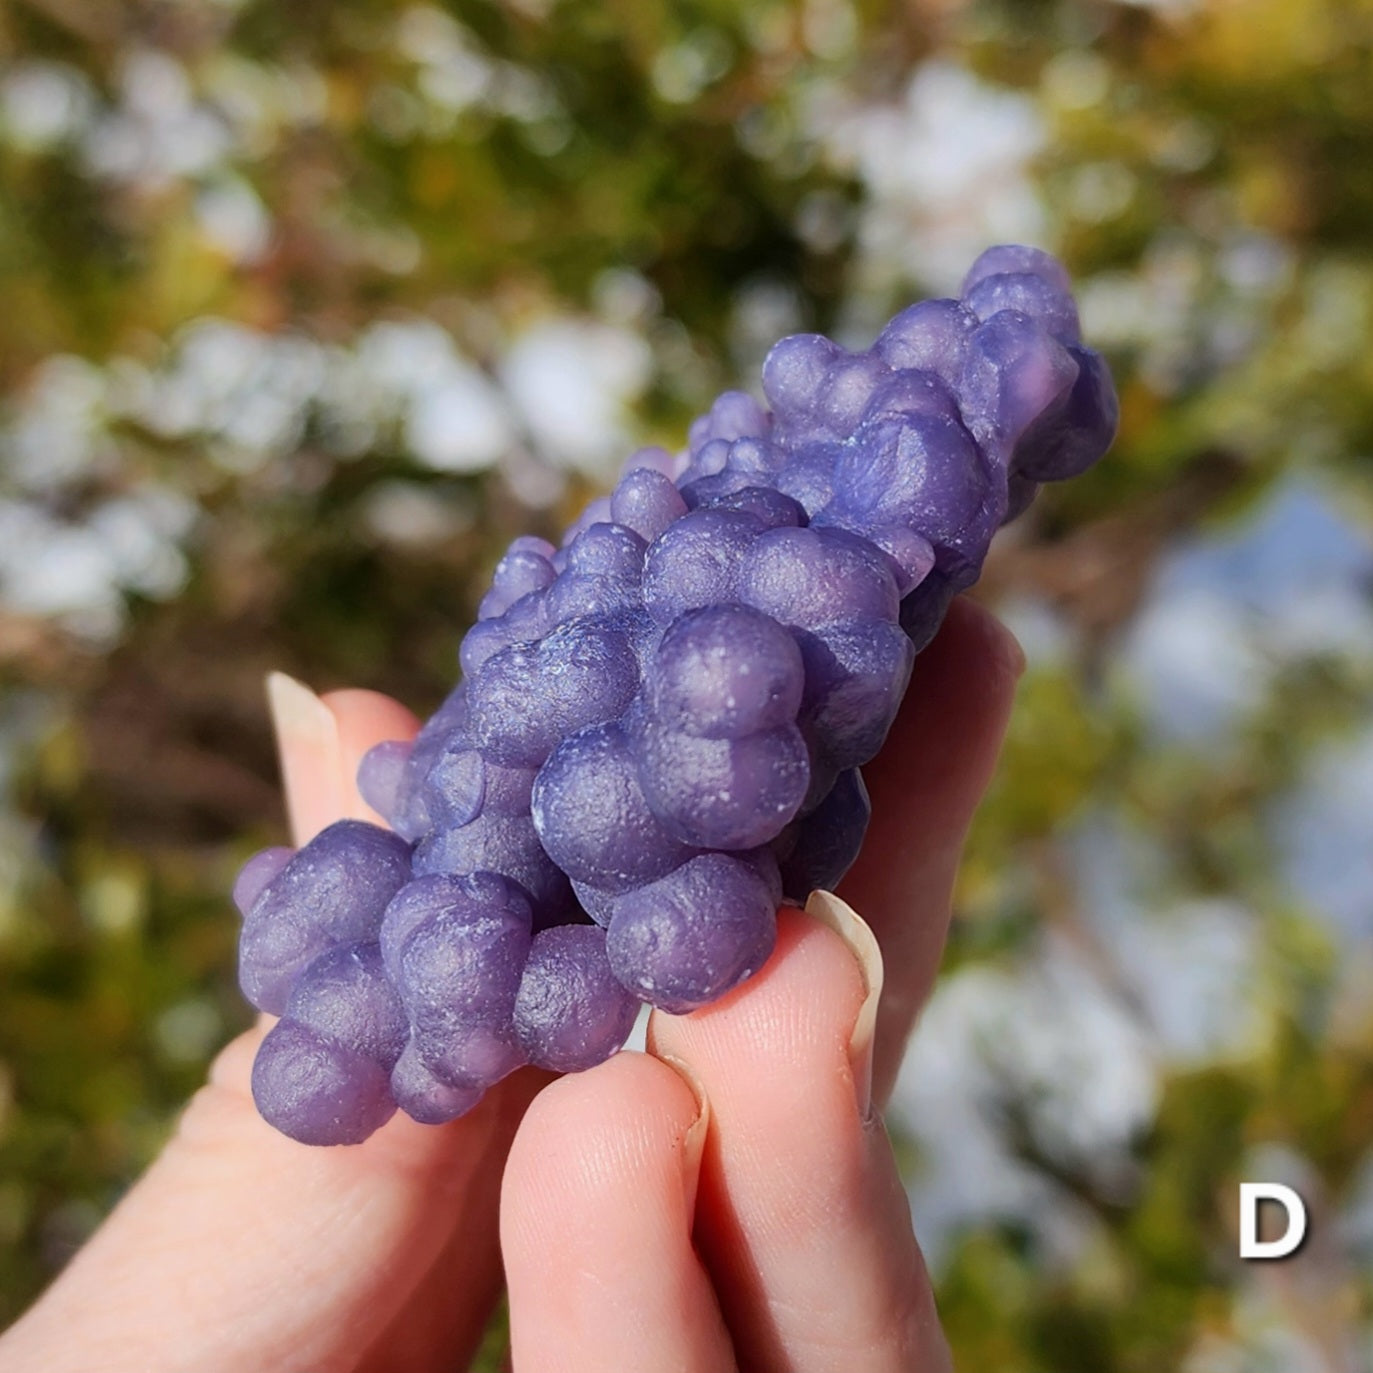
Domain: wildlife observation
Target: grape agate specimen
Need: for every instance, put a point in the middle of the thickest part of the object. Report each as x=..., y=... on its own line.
x=661, y=724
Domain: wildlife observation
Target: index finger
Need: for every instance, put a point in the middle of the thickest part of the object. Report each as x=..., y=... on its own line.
x=321, y=740
x=925, y=785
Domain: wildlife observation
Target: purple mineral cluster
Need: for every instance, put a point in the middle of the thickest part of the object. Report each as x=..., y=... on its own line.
x=660, y=724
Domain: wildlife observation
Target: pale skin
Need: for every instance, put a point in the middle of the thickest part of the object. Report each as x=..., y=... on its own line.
x=728, y=1200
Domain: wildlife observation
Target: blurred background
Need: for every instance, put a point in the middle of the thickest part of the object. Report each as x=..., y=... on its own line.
x=306, y=309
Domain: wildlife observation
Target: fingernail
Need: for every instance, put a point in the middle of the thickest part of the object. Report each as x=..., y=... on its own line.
x=297, y=713
x=308, y=747
x=1013, y=652
x=1003, y=648
x=862, y=943
x=694, y=1141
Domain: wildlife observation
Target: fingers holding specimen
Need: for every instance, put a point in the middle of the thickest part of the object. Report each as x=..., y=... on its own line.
x=278, y=1255
x=596, y=1218
x=801, y=1218
x=925, y=785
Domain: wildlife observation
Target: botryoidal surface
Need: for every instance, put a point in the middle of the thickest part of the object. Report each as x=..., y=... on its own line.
x=659, y=728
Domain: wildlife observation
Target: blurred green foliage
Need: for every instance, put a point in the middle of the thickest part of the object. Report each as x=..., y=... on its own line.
x=693, y=176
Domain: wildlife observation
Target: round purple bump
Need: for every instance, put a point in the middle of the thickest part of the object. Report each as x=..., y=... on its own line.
x=571, y=1012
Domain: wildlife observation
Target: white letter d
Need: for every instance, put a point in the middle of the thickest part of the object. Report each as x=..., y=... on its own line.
x=1251, y=1194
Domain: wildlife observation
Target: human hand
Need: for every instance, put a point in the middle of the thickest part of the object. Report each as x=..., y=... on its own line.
x=727, y=1200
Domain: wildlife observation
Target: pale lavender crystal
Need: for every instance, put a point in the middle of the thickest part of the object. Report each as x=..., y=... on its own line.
x=1012, y=375
x=808, y=476
x=526, y=568
x=434, y=895
x=1068, y=438
x=923, y=611
x=319, y=1092
x=659, y=459
x=472, y=1053
x=919, y=472
x=695, y=563
x=592, y=817
x=595, y=901
x=607, y=549
x=408, y=815
x=856, y=675
x=911, y=554
x=597, y=512
x=458, y=971
x=454, y=789
x=805, y=578
x=1030, y=295
x=528, y=697
x=724, y=672
x=488, y=637
x=332, y=892
x=504, y=844
x=734, y=415
x=322, y=1074
x=255, y=875
x=381, y=776
x=662, y=720
x=817, y=390
x=690, y=937
x=647, y=502
x=425, y=1097
x=571, y=1011
x=930, y=338
x=589, y=594
x=715, y=491
x=1008, y=258
x=773, y=507
x=723, y=793
x=820, y=848
x=344, y=996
